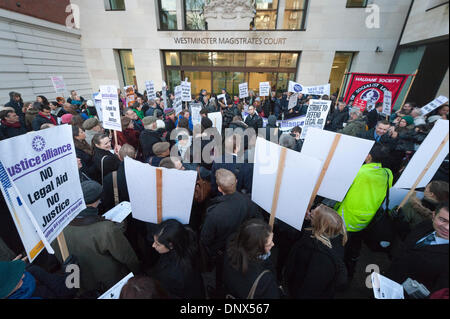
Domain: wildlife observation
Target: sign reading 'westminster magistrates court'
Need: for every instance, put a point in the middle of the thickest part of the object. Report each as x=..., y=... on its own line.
x=230, y=40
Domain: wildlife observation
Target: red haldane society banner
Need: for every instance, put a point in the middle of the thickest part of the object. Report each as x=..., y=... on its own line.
x=371, y=87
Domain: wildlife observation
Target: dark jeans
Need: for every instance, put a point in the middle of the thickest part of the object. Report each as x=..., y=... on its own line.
x=352, y=251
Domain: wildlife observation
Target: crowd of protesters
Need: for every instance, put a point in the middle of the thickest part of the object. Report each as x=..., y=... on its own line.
x=228, y=249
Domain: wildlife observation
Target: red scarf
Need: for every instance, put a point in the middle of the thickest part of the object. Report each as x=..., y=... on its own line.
x=15, y=125
x=51, y=118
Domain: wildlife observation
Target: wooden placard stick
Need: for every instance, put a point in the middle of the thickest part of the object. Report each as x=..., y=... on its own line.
x=342, y=83
x=63, y=246
x=276, y=193
x=407, y=92
x=430, y=162
x=324, y=169
x=159, y=195
x=115, y=138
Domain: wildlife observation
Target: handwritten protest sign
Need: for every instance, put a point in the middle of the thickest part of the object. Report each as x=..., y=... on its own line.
x=243, y=90
x=293, y=100
x=151, y=93
x=58, y=84
x=97, y=97
x=430, y=107
x=387, y=103
x=186, y=92
x=45, y=171
x=264, y=88
x=195, y=112
x=110, y=107
x=178, y=104
x=316, y=115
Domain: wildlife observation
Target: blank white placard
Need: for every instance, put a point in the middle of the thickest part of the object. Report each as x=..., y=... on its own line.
x=299, y=177
x=347, y=160
x=178, y=192
x=216, y=119
x=423, y=155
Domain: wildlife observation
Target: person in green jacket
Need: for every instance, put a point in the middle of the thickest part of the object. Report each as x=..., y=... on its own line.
x=356, y=123
x=364, y=197
x=137, y=108
x=103, y=252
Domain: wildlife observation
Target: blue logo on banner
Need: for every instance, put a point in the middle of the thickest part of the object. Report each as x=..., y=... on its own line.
x=298, y=88
x=38, y=143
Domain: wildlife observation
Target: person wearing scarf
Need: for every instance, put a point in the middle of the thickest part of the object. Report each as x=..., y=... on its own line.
x=10, y=124
x=44, y=116
x=21, y=281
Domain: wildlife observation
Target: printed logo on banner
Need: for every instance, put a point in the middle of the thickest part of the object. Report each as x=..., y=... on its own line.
x=298, y=88
x=38, y=143
x=371, y=96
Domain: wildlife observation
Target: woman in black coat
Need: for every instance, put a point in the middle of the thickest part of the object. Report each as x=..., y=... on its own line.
x=84, y=152
x=102, y=154
x=315, y=266
x=177, y=268
x=246, y=260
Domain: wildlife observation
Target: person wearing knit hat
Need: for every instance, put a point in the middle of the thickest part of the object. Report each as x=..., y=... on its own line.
x=92, y=192
x=91, y=127
x=66, y=118
x=161, y=150
x=408, y=119
x=169, y=111
x=18, y=281
x=11, y=274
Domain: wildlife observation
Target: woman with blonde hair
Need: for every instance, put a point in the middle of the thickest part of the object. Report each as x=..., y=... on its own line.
x=315, y=268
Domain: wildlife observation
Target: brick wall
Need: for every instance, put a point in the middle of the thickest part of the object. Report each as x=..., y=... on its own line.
x=49, y=10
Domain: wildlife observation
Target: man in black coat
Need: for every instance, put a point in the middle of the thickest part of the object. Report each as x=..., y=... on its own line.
x=230, y=112
x=338, y=117
x=253, y=119
x=43, y=117
x=149, y=137
x=17, y=104
x=424, y=254
x=10, y=124
x=374, y=116
x=226, y=213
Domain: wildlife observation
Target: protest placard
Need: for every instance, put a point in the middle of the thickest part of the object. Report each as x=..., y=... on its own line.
x=110, y=108
x=384, y=288
x=347, y=159
x=58, y=84
x=186, y=92
x=430, y=107
x=293, y=100
x=291, y=203
x=427, y=159
x=295, y=87
x=264, y=88
x=151, y=93
x=178, y=104
x=195, y=112
x=216, y=119
x=387, y=103
x=45, y=171
x=144, y=192
x=114, y=291
x=221, y=96
x=360, y=104
x=130, y=96
x=316, y=115
x=27, y=232
x=118, y=213
x=243, y=90
x=97, y=97
x=164, y=93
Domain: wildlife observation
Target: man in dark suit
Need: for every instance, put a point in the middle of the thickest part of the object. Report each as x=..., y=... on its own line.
x=424, y=255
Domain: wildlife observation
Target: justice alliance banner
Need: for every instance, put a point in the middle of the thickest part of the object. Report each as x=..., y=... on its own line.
x=370, y=88
x=43, y=167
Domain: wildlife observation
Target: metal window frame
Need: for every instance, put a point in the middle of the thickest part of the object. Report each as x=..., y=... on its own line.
x=108, y=6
